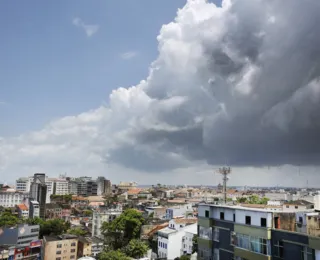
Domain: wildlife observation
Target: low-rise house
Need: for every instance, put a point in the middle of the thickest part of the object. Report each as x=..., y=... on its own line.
x=79, y=201
x=143, y=194
x=297, y=205
x=187, y=242
x=23, y=210
x=60, y=247
x=133, y=193
x=170, y=243
x=183, y=210
x=158, y=211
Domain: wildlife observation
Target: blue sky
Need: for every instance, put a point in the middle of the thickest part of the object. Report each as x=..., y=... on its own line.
x=49, y=68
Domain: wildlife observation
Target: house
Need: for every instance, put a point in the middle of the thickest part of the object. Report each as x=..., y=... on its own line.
x=158, y=211
x=89, y=246
x=187, y=242
x=297, y=205
x=133, y=193
x=183, y=210
x=144, y=194
x=23, y=210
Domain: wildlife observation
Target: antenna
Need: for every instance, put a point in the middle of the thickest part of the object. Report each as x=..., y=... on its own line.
x=225, y=171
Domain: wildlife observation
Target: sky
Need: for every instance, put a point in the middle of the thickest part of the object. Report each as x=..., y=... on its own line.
x=161, y=91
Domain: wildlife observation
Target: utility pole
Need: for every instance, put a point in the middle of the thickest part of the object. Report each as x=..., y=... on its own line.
x=225, y=171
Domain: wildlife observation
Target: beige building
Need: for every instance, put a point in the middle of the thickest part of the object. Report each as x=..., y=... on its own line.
x=60, y=247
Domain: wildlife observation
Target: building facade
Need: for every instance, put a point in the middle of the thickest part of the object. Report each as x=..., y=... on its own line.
x=38, y=192
x=11, y=198
x=23, y=185
x=235, y=232
x=60, y=247
x=21, y=235
x=103, y=215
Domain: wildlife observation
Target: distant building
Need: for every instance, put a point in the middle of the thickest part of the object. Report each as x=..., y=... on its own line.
x=38, y=192
x=10, y=198
x=73, y=187
x=127, y=185
x=23, y=185
x=61, y=187
x=182, y=210
x=89, y=246
x=92, y=188
x=297, y=205
x=53, y=211
x=60, y=247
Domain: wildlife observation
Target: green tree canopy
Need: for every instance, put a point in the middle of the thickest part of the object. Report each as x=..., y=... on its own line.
x=113, y=255
x=120, y=231
x=77, y=231
x=136, y=248
x=87, y=212
x=7, y=219
x=195, y=244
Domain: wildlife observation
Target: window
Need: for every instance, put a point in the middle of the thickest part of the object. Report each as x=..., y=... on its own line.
x=248, y=220
x=278, y=249
x=35, y=230
x=306, y=253
x=58, y=258
x=287, y=206
x=207, y=213
x=276, y=222
x=58, y=252
x=222, y=215
x=205, y=233
x=73, y=244
x=295, y=207
x=300, y=220
x=72, y=250
x=234, y=217
x=251, y=243
x=263, y=222
x=216, y=254
x=72, y=257
x=216, y=234
x=59, y=245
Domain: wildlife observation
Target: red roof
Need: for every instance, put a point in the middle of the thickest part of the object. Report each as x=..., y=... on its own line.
x=22, y=207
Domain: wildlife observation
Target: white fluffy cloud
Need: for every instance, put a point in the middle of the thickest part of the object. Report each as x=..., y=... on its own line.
x=89, y=29
x=237, y=84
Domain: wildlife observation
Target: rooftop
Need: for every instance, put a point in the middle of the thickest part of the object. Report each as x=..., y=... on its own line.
x=167, y=231
x=57, y=238
x=186, y=220
x=22, y=207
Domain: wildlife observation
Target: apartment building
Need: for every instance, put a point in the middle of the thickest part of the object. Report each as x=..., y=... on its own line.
x=60, y=247
x=236, y=232
x=23, y=185
x=103, y=215
x=89, y=246
x=11, y=197
x=34, y=209
x=53, y=211
x=38, y=192
x=61, y=187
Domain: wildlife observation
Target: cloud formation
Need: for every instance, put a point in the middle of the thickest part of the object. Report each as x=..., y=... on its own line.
x=237, y=83
x=88, y=29
x=128, y=55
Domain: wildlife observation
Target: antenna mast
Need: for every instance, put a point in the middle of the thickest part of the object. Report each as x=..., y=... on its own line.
x=225, y=171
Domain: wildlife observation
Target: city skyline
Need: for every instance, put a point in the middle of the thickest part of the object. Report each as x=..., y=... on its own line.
x=167, y=101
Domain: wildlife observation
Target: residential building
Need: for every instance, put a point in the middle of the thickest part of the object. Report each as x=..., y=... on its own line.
x=50, y=188
x=170, y=239
x=103, y=215
x=20, y=235
x=107, y=187
x=61, y=187
x=53, y=211
x=92, y=188
x=127, y=185
x=38, y=192
x=82, y=188
x=11, y=197
x=23, y=210
x=79, y=201
x=60, y=247
x=23, y=185
x=34, y=209
x=297, y=205
x=182, y=210
x=187, y=242
x=30, y=251
x=73, y=187
x=89, y=246
x=157, y=211
x=104, y=186
x=256, y=233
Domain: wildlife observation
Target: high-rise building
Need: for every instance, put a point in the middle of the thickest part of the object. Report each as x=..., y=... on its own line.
x=92, y=188
x=23, y=185
x=100, y=185
x=38, y=192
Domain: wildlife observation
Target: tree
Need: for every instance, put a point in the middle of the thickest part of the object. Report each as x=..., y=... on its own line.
x=184, y=257
x=53, y=227
x=264, y=200
x=136, y=248
x=195, y=244
x=120, y=231
x=87, y=212
x=7, y=219
x=113, y=255
x=77, y=231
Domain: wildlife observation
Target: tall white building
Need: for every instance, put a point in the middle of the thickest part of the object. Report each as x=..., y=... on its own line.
x=10, y=198
x=23, y=185
x=61, y=187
